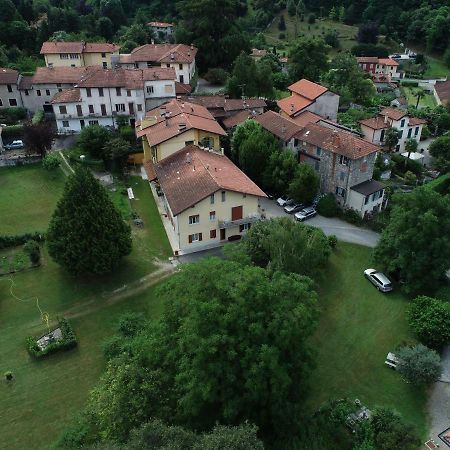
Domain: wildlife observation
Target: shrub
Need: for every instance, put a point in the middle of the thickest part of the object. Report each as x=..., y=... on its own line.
x=32, y=249
x=419, y=365
x=351, y=216
x=443, y=293
x=12, y=131
x=8, y=375
x=410, y=83
x=51, y=162
x=131, y=324
x=282, y=36
x=13, y=114
x=327, y=206
x=311, y=19
x=332, y=241
x=38, y=117
x=216, y=75
x=67, y=341
x=20, y=239
x=399, y=167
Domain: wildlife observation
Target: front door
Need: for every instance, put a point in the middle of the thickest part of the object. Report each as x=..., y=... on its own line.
x=131, y=108
x=236, y=213
x=222, y=234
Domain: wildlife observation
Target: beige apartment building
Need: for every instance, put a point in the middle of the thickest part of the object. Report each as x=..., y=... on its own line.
x=78, y=54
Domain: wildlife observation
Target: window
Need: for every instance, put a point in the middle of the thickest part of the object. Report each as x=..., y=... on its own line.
x=128, y=93
x=211, y=199
x=63, y=56
x=316, y=165
x=382, y=135
x=342, y=176
x=65, y=123
x=79, y=110
x=416, y=131
x=196, y=237
x=244, y=227
x=149, y=64
x=74, y=56
x=150, y=90
x=12, y=102
x=118, y=91
x=103, y=55
x=377, y=195
x=58, y=84
x=167, y=65
x=194, y=219
x=59, y=90
x=212, y=215
x=26, y=92
x=397, y=148
x=295, y=142
x=82, y=124
x=93, y=122
x=100, y=92
x=212, y=234
x=181, y=78
x=103, y=109
x=168, y=89
x=343, y=160
x=409, y=132
x=105, y=65
x=62, y=109
x=366, y=200
x=91, y=109
x=180, y=66
x=38, y=92
x=1, y=103
x=9, y=88
x=47, y=92
x=139, y=107
x=340, y=191
x=223, y=196
x=188, y=142
x=120, y=107
x=402, y=123
x=88, y=92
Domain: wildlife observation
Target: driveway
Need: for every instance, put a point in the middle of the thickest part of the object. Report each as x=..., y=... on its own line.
x=342, y=230
x=439, y=400
x=205, y=87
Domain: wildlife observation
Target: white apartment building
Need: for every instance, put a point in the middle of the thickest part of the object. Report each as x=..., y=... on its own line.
x=180, y=57
x=374, y=129
x=104, y=94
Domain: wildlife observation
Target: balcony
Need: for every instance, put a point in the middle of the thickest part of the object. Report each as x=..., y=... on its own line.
x=252, y=218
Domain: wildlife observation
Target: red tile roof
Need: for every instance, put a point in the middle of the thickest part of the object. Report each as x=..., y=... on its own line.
x=26, y=82
x=63, y=75
x=308, y=89
x=258, y=53
x=167, y=53
x=191, y=175
x=376, y=123
x=416, y=121
x=367, y=59
x=238, y=118
x=232, y=104
x=388, y=62
x=174, y=118
x=293, y=104
x=182, y=88
x=8, y=76
x=336, y=141
x=67, y=96
x=160, y=24
x=150, y=170
x=306, y=117
x=442, y=89
x=279, y=126
x=50, y=47
x=392, y=113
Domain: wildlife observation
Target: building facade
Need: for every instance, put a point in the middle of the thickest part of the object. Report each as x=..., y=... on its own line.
x=78, y=54
x=162, y=30
x=9, y=88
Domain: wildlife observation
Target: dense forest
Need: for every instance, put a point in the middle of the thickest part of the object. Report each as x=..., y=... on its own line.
x=220, y=28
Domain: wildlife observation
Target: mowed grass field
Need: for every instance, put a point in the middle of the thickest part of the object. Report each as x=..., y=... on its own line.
x=426, y=101
x=46, y=394
x=358, y=327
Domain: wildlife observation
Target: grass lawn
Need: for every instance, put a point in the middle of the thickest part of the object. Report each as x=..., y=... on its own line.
x=426, y=101
x=358, y=327
x=46, y=394
x=436, y=68
x=346, y=33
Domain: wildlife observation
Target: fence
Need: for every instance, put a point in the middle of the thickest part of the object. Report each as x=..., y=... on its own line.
x=19, y=161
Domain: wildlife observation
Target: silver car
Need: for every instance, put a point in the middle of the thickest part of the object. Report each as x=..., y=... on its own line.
x=305, y=214
x=379, y=280
x=293, y=208
x=284, y=200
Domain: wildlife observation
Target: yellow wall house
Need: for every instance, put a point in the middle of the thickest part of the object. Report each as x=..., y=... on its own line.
x=207, y=199
x=78, y=54
x=175, y=124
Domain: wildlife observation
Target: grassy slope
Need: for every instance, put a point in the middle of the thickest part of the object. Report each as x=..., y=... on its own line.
x=358, y=327
x=46, y=394
x=427, y=100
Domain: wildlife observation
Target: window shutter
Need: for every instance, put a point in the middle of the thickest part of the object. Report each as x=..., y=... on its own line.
x=200, y=237
x=190, y=239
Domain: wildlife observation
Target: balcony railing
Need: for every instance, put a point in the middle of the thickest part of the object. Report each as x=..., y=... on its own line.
x=252, y=218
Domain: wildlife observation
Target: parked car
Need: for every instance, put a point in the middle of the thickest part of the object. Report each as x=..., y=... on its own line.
x=379, y=280
x=305, y=214
x=284, y=200
x=14, y=145
x=294, y=207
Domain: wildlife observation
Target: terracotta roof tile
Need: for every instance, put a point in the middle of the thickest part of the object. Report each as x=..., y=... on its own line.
x=306, y=117
x=191, y=175
x=182, y=88
x=50, y=47
x=442, y=89
x=160, y=24
x=279, y=126
x=26, y=82
x=308, y=89
x=416, y=121
x=388, y=62
x=67, y=96
x=167, y=53
x=293, y=104
x=238, y=118
x=259, y=53
x=336, y=141
x=376, y=123
x=8, y=76
x=63, y=75
x=392, y=113
x=150, y=170
x=232, y=104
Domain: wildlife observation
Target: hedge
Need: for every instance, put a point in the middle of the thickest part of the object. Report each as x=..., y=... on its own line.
x=400, y=167
x=410, y=83
x=68, y=341
x=20, y=239
x=12, y=131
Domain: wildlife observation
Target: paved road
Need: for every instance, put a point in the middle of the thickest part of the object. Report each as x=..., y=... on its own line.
x=342, y=230
x=439, y=401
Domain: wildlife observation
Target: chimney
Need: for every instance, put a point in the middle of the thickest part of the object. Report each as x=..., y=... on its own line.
x=292, y=107
x=172, y=56
x=181, y=127
x=153, y=42
x=283, y=129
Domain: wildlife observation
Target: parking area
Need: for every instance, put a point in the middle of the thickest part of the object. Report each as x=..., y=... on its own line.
x=342, y=230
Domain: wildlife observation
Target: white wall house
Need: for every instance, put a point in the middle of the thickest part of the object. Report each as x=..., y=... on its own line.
x=162, y=30
x=9, y=88
x=106, y=94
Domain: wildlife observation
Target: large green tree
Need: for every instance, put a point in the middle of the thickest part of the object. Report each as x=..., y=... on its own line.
x=87, y=234
x=92, y=140
x=304, y=184
x=280, y=170
x=308, y=59
x=440, y=151
x=418, y=248
x=232, y=345
x=419, y=364
x=415, y=245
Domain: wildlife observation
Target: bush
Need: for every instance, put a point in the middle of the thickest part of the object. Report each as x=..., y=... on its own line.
x=443, y=293
x=131, y=324
x=282, y=36
x=20, y=239
x=351, y=216
x=51, y=162
x=38, y=117
x=332, y=241
x=12, y=131
x=400, y=168
x=419, y=364
x=216, y=76
x=311, y=19
x=13, y=114
x=32, y=249
x=327, y=206
x=67, y=341
x=409, y=83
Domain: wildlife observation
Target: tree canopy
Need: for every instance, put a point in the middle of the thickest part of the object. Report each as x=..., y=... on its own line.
x=86, y=233
x=419, y=365
x=440, y=150
x=305, y=184
x=308, y=59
